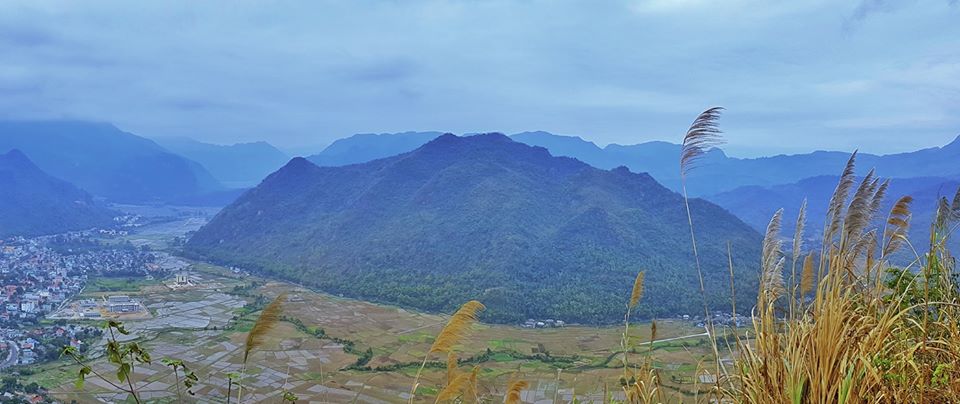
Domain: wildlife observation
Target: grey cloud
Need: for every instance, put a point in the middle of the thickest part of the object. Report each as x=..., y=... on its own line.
x=789, y=73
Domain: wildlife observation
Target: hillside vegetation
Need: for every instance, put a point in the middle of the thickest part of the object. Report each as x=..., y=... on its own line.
x=529, y=234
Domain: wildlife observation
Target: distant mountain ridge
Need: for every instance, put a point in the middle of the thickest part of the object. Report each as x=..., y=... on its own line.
x=721, y=173
x=35, y=203
x=485, y=217
x=364, y=147
x=236, y=166
x=755, y=205
x=106, y=161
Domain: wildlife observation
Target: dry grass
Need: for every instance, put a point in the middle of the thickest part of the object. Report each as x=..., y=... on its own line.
x=452, y=334
x=872, y=331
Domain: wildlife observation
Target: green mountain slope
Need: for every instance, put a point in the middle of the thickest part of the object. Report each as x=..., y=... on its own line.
x=34, y=203
x=756, y=204
x=483, y=217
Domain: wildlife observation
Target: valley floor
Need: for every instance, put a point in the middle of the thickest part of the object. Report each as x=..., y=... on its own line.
x=205, y=326
x=365, y=353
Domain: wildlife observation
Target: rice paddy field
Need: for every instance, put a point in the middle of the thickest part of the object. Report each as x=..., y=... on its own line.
x=206, y=325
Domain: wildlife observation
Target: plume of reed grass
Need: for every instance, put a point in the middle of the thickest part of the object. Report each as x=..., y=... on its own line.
x=635, y=295
x=457, y=327
x=642, y=384
x=797, y=252
x=637, y=292
x=898, y=222
x=772, y=260
x=860, y=340
x=646, y=386
x=835, y=206
x=806, y=278
x=463, y=387
x=455, y=388
x=451, y=367
x=702, y=135
x=472, y=390
x=268, y=319
x=452, y=334
x=513, y=392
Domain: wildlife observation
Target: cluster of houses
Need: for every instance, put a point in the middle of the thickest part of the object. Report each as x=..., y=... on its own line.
x=719, y=318
x=22, y=347
x=35, y=280
x=548, y=323
x=38, y=274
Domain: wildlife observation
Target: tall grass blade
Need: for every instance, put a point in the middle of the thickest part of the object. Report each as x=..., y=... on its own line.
x=513, y=392
x=898, y=224
x=702, y=135
x=268, y=319
x=637, y=293
x=457, y=327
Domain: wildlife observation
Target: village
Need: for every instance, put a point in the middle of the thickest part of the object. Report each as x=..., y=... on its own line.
x=40, y=275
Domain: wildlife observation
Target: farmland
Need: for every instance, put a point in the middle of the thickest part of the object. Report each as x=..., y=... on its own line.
x=334, y=349
x=206, y=326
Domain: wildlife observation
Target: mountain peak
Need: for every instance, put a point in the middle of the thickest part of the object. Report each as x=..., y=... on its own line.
x=14, y=155
x=954, y=145
x=18, y=161
x=449, y=140
x=299, y=163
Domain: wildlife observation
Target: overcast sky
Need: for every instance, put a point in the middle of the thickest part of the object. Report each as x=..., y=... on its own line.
x=794, y=75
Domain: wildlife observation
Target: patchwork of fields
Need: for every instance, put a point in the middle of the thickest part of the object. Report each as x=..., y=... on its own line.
x=206, y=326
x=332, y=349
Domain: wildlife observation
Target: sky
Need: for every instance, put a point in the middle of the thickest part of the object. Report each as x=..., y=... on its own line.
x=795, y=75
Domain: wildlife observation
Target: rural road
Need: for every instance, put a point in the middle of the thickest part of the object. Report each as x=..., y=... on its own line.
x=12, y=356
x=705, y=333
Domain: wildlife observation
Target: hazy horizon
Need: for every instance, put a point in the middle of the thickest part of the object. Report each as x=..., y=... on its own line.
x=875, y=75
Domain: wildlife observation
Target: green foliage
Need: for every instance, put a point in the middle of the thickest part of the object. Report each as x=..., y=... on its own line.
x=483, y=217
x=190, y=379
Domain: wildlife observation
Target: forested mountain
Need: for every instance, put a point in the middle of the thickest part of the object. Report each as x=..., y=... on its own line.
x=721, y=173
x=756, y=204
x=106, y=161
x=484, y=217
x=34, y=203
x=364, y=147
x=236, y=166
